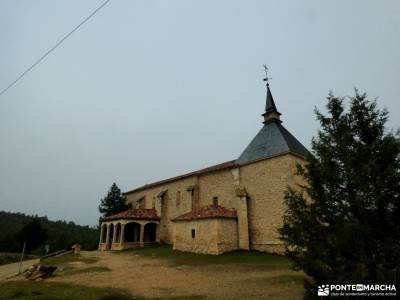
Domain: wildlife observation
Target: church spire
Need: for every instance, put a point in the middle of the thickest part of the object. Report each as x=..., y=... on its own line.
x=271, y=113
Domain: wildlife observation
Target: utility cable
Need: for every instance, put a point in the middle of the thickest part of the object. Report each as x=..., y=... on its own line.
x=54, y=47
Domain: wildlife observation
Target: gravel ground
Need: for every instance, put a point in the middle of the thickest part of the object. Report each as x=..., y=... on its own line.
x=10, y=270
x=150, y=277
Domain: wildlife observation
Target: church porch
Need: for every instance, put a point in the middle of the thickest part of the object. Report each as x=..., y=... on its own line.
x=130, y=229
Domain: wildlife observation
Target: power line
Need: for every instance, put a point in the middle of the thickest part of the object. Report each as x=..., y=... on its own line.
x=54, y=47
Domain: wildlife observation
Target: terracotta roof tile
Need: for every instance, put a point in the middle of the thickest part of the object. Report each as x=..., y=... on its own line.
x=207, y=212
x=134, y=213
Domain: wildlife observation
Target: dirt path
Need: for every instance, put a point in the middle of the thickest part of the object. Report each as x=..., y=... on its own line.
x=9, y=270
x=151, y=278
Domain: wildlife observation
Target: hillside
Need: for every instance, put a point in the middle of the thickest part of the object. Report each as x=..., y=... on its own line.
x=61, y=235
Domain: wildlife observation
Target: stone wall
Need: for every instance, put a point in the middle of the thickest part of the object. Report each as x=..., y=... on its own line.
x=211, y=236
x=168, y=208
x=227, y=235
x=205, y=240
x=218, y=184
x=266, y=182
x=214, y=184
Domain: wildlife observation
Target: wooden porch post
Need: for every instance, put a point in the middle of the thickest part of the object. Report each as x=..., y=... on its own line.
x=115, y=234
x=107, y=236
x=101, y=233
x=121, y=238
x=141, y=235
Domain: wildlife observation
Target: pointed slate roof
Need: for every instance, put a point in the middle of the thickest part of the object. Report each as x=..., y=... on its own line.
x=269, y=103
x=273, y=139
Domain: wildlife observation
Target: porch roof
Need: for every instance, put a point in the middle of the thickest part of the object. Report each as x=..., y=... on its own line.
x=135, y=214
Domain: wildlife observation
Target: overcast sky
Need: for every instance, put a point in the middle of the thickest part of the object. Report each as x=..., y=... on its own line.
x=151, y=89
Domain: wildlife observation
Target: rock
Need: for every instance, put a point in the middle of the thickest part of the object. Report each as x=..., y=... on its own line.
x=76, y=248
x=39, y=272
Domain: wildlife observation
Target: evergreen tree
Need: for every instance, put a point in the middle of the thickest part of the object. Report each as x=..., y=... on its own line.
x=60, y=233
x=114, y=202
x=343, y=225
x=33, y=234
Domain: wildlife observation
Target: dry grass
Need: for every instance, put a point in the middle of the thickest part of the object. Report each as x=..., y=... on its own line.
x=68, y=258
x=253, y=259
x=161, y=273
x=24, y=290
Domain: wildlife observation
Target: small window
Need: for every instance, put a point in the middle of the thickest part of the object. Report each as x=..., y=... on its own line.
x=193, y=233
x=215, y=201
x=191, y=189
x=162, y=196
x=141, y=202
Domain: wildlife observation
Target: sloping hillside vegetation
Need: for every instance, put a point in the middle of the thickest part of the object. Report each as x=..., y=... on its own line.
x=61, y=234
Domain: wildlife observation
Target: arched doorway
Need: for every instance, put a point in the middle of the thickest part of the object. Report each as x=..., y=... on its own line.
x=132, y=233
x=111, y=234
x=150, y=231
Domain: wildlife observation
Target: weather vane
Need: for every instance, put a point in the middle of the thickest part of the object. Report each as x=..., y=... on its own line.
x=266, y=79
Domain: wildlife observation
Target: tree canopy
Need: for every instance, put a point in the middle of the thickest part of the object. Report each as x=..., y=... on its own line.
x=32, y=234
x=343, y=225
x=114, y=202
x=60, y=234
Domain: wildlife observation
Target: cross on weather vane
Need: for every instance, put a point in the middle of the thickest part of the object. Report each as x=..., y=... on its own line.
x=266, y=79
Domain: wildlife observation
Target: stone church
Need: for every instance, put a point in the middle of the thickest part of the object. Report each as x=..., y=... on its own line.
x=233, y=205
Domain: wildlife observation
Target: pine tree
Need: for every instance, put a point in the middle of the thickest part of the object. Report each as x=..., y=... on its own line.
x=33, y=234
x=343, y=225
x=114, y=202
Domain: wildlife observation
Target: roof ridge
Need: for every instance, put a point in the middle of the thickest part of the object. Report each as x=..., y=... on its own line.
x=280, y=126
x=291, y=138
x=134, y=213
x=212, y=168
